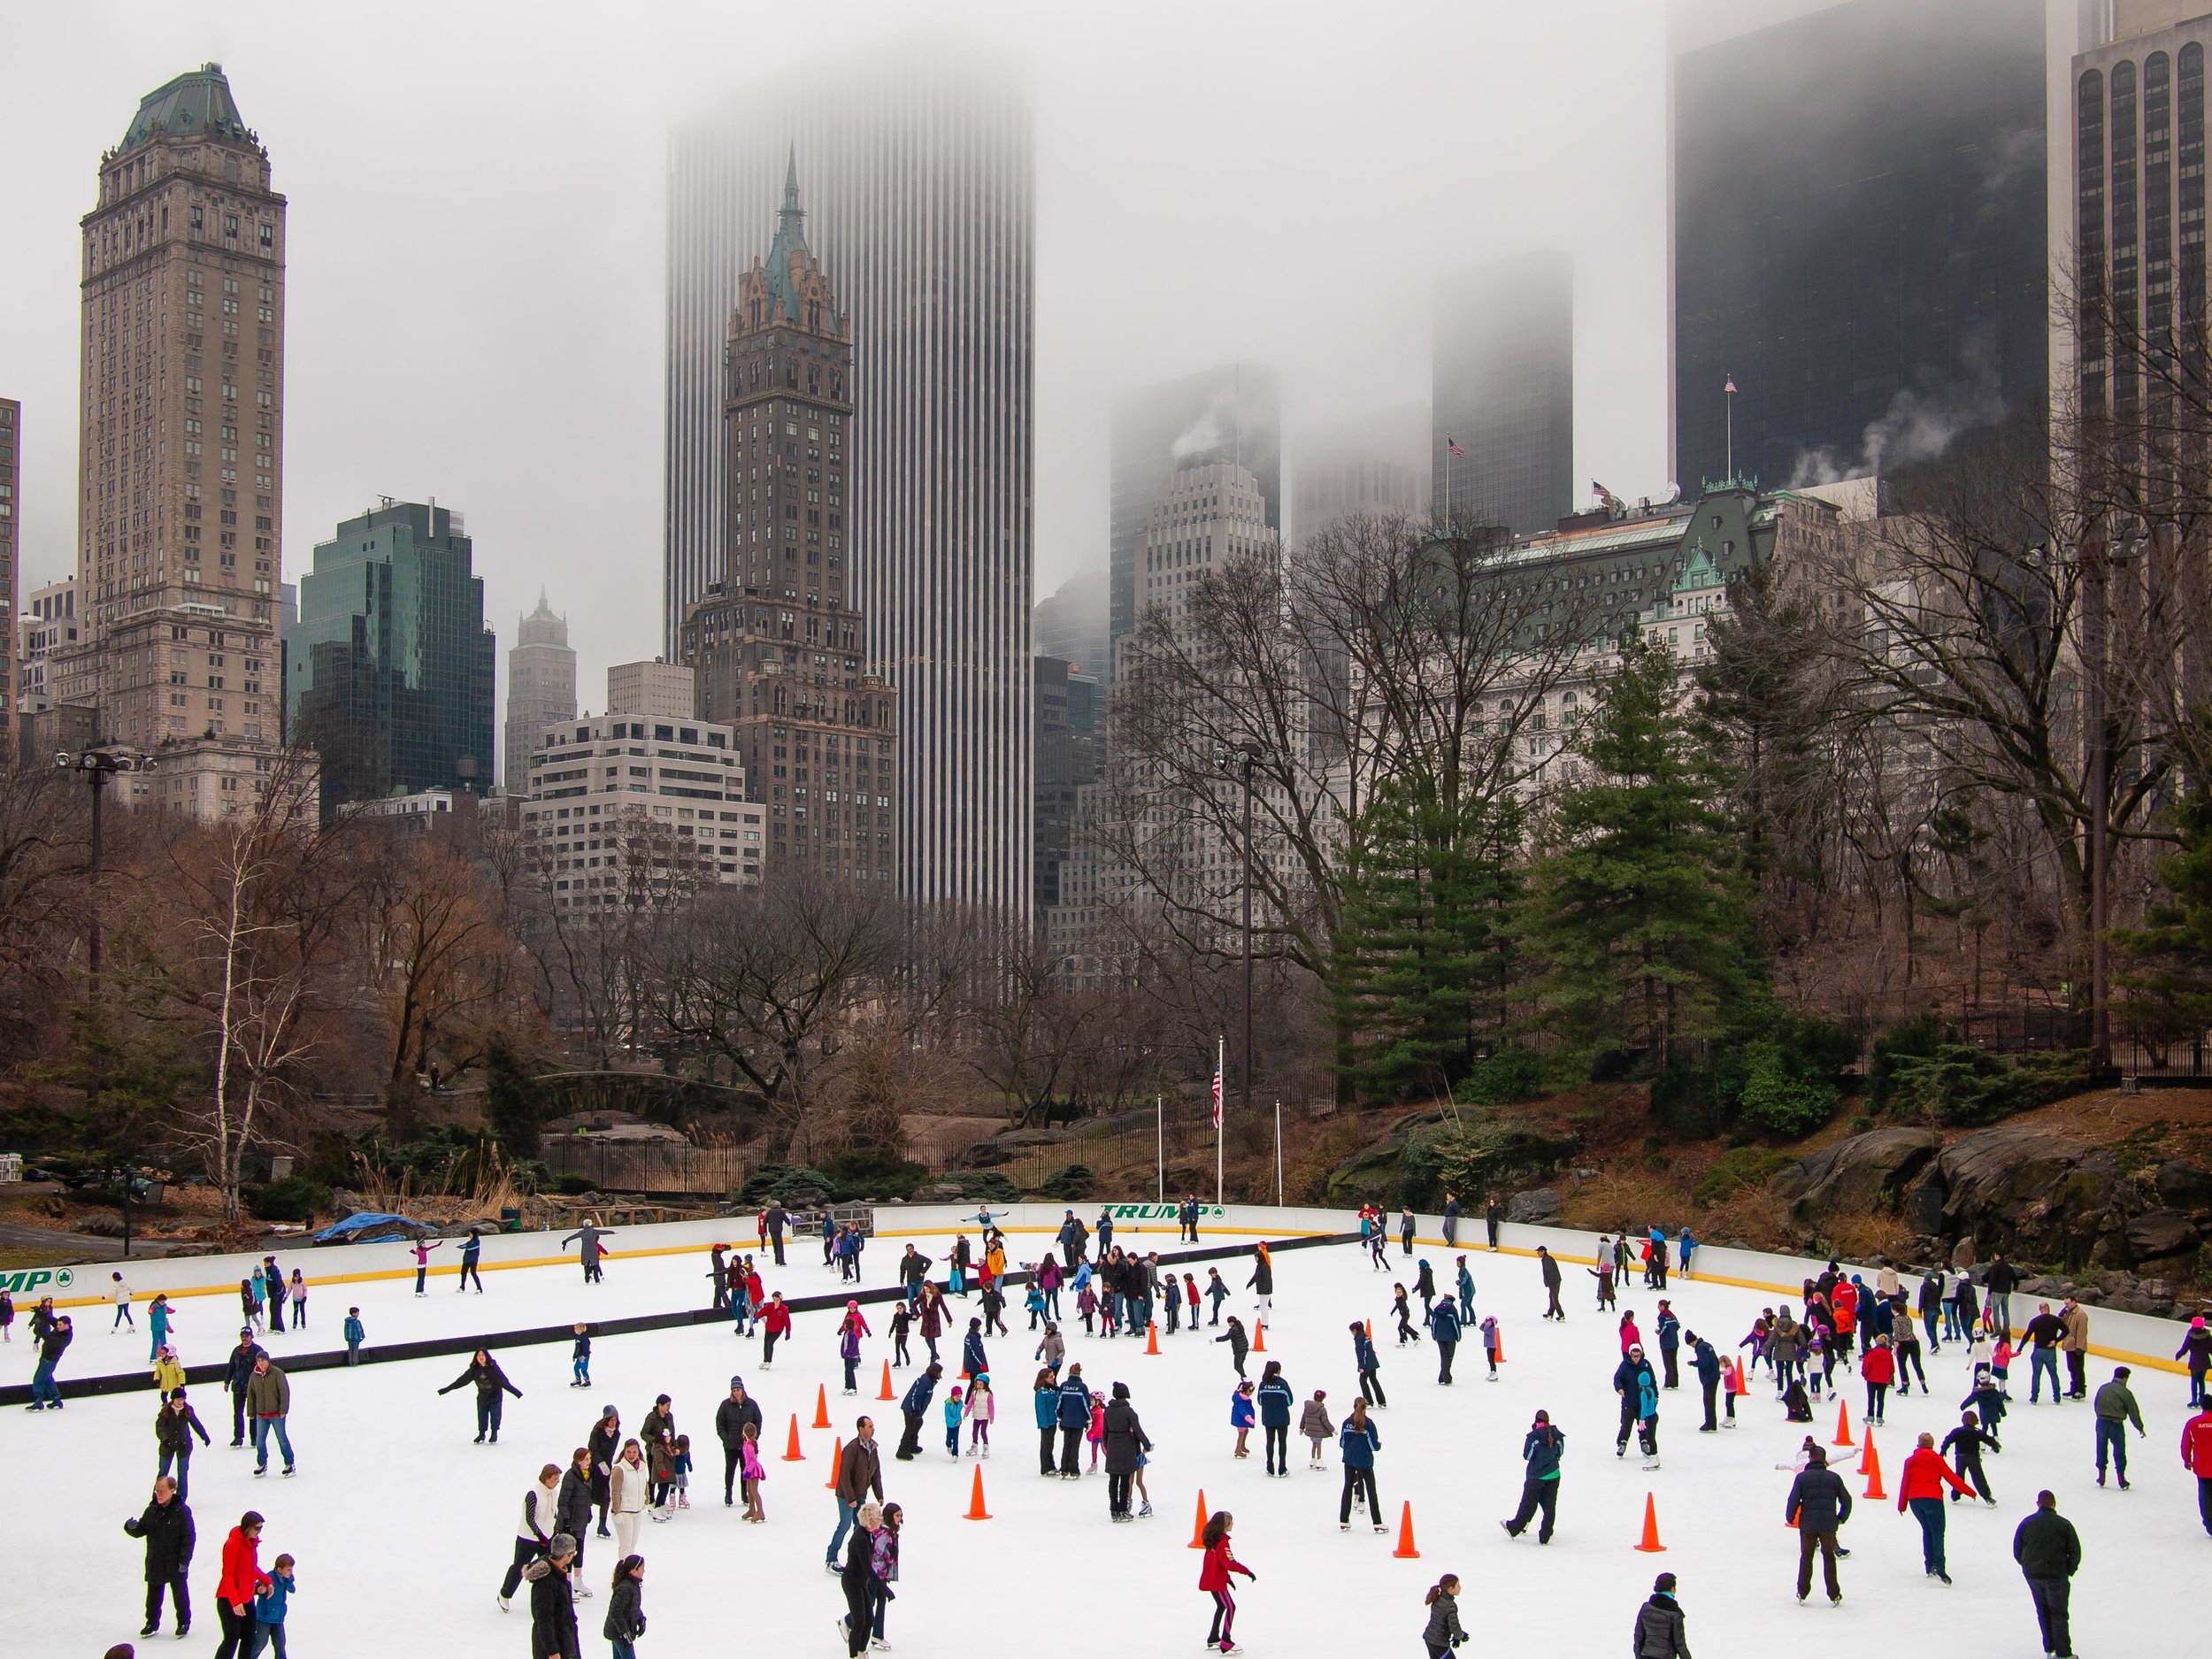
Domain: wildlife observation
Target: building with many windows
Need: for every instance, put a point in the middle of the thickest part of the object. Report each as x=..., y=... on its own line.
x=541, y=689
x=11, y=672
x=1230, y=415
x=181, y=441
x=778, y=646
x=1503, y=393
x=1858, y=198
x=389, y=671
x=635, y=807
x=1376, y=466
x=919, y=171
x=46, y=628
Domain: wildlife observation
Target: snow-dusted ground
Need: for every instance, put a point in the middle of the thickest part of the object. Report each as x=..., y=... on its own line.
x=402, y=1527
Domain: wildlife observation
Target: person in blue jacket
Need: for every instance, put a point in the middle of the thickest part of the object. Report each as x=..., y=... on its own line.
x=1370, y=1386
x=1444, y=1325
x=1683, y=1246
x=1045, y=1396
x=1541, y=1448
x=971, y=1358
x=1075, y=1420
x=1669, y=1329
x=1359, y=1442
x=269, y=1606
x=1275, y=1399
x=1466, y=1288
x=914, y=1408
x=1705, y=1360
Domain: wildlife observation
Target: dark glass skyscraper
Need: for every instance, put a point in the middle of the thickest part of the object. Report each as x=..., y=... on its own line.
x=1859, y=211
x=1503, y=368
x=389, y=671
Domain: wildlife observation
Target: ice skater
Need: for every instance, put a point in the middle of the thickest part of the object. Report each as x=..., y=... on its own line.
x=421, y=1252
x=1314, y=1424
x=1240, y=1344
x=1213, y=1575
x=1541, y=1449
x=1443, y=1631
x=590, y=1242
x=1357, y=1442
x=1369, y=1366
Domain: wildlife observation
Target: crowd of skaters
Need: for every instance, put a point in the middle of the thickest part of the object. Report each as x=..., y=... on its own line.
x=1844, y=1324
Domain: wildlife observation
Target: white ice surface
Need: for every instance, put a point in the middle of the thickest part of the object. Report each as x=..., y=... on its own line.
x=402, y=1527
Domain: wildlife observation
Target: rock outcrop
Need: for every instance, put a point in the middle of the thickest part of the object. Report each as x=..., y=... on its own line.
x=2132, y=1237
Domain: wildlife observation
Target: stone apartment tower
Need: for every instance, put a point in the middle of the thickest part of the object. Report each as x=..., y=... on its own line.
x=541, y=690
x=777, y=646
x=181, y=463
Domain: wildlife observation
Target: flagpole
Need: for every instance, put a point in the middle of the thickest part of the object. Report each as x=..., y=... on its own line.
x=1221, y=1060
x=1159, y=1123
x=1279, y=1154
x=1728, y=397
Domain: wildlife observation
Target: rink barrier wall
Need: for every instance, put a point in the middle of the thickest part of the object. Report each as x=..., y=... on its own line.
x=433, y=1348
x=2140, y=1341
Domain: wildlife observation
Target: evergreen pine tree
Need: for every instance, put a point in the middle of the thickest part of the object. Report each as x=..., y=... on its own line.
x=511, y=1099
x=1637, y=908
x=1423, y=950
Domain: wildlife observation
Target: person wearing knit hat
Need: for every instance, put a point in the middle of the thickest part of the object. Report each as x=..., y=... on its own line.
x=1659, y=1631
x=2196, y=1348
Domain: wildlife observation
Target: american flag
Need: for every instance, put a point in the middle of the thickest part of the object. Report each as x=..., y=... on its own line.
x=1731, y=386
x=1216, y=1122
x=1453, y=445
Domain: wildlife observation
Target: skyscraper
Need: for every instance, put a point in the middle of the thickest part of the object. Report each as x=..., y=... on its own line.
x=389, y=672
x=1377, y=465
x=1503, y=391
x=1858, y=204
x=1070, y=623
x=181, y=441
x=11, y=634
x=541, y=689
x=2137, y=226
x=1230, y=415
x=920, y=187
x=775, y=643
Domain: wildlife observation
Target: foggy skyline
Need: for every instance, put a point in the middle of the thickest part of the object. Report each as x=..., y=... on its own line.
x=477, y=240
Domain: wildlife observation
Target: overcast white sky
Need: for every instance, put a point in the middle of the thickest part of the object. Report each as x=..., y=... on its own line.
x=476, y=234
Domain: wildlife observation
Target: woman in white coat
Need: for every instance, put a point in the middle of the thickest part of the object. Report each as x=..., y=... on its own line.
x=629, y=1484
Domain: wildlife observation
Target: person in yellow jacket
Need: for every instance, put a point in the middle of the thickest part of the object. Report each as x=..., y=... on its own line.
x=168, y=1372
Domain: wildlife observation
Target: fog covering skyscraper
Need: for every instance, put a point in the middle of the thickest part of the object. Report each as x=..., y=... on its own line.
x=920, y=194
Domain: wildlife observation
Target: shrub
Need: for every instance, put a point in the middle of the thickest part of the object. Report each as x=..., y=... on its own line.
x=988, y=1187
x=571, y=1185
x=1734, y=1171
x=1474, y=1158
x=791, y=1185
x=1073, y=1180
x=1956, y=1085
x=873, y=1172
x=1508, y=1076
x=1915, y=1038
x=511, y=1099
x=1779, y=1095
x=294, y=1198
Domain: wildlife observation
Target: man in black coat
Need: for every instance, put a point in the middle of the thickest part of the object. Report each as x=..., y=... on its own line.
x=730, y=1418
x=2049, y=1552
x=1818, y=1504
x=776, y=1218
x=1550, y=1269
x=914, y=1407
x=167, y=1526
x=553, y=1602
x=238, y=1372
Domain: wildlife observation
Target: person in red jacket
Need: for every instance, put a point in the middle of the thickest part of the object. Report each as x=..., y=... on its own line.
x=774, y=1323
x=1920, y=1488
x=2196, y=1458
x=1878, y=1369
x=243, y=1580
x=1213, y=1577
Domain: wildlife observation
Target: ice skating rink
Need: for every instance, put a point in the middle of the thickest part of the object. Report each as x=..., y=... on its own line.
x=402, y=1527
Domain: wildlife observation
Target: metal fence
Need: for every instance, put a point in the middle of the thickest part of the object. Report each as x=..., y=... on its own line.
x=651, y=1166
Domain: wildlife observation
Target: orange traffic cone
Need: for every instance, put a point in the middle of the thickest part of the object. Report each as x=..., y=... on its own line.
x=1500, y=1344
x=1651, y=1546
x=1736, y=1382
x=837, y=1456
x=1370, y=1330
x=976, y=1511
x=791, y=1452
x=821, y=1406
x=1405, y=1550
x=1870, y=1461
x=885, y=1393
x=1151, y=1336
x=1198, y=1527
x=1843, y=1424
x=1259, y=1336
